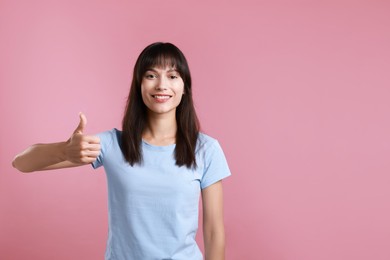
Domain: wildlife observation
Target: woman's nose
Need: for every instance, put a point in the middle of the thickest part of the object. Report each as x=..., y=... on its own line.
x=161, y=84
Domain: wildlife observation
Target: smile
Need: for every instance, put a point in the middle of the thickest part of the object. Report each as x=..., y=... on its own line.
x=161, y=97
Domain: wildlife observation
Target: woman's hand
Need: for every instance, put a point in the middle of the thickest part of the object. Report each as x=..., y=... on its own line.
x=80, y=148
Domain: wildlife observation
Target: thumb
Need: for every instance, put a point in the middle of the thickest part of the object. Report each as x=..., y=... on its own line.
x=83, y=122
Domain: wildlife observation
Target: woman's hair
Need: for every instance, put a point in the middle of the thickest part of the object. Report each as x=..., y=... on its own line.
x=135, y=118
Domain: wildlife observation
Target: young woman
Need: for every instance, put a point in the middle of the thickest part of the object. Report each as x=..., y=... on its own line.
x=156, y=167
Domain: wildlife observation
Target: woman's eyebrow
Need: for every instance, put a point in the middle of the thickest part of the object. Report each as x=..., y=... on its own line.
x=170, y=70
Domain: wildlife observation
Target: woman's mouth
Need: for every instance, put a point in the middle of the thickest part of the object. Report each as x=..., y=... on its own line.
x=161, y=98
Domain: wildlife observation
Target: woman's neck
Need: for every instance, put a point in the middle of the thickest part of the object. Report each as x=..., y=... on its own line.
x=160, y=130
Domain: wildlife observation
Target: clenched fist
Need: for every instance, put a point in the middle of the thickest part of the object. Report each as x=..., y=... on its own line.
x=82, y=148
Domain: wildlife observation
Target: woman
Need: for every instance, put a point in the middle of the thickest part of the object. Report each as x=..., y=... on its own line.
x=156, y=167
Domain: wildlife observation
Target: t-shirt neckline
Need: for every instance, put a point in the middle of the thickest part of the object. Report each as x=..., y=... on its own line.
x=149, y=146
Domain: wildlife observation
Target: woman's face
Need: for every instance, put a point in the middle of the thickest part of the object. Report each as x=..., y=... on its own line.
x=162, y=90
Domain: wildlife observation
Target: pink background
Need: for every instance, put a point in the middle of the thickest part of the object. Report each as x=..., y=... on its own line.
x=297, y=92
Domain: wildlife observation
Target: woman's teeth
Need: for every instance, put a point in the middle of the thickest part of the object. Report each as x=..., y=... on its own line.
x=161, y=97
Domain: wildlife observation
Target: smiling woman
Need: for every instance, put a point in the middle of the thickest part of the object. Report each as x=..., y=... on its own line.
x=152, y=62
x=162, y=90
x=157, y=166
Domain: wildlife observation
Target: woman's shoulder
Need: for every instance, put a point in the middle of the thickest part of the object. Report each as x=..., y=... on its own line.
x=114, y=132
x=205, y=142
x=205, y=137
x=110, y=136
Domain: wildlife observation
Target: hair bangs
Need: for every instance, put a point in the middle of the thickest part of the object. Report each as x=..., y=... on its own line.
x=162, y=56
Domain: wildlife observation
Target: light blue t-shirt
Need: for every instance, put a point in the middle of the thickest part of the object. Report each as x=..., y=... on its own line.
x=153, y=207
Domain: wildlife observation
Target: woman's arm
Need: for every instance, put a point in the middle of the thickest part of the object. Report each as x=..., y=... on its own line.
x=78, y=150
x=213, y=227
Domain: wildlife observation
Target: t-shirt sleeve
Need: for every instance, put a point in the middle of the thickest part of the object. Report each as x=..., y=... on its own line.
x=106, y=139
x=216, y=167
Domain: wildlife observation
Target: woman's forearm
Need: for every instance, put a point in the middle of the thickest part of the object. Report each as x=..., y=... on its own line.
x=214, y=245
x=213, y=224
x=39, y=156
x=78, y=150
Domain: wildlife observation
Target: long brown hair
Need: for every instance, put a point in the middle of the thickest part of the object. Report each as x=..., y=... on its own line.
x=135, y=118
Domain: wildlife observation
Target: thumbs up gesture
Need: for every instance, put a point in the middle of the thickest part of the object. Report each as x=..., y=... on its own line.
x=80, y=148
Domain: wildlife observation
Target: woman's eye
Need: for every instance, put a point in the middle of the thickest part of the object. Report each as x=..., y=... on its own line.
x=173, y=77
x=150, y=76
